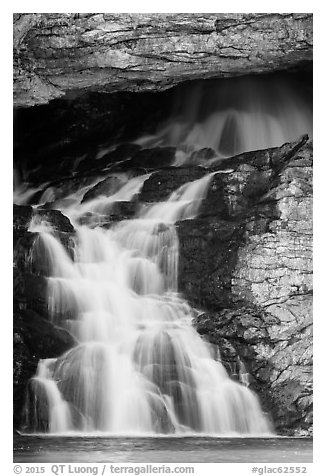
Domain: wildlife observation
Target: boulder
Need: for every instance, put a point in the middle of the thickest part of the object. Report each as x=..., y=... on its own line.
x=22, y=216
x=154, y=158
x=201, y=156
x=163, y=182
x=106, y=187
x=35, y=338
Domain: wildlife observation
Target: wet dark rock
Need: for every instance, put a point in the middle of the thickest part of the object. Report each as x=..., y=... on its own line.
x=53, y=205
x=83, y=135
x=57, y=219
x=35, y=198
x=124, y=210
x=118, y=211
x=49, y=168
x=208, y=254
x=90, y=164
x=29, y=255
x=24, y=367
x=250, y=266
x=162, y=183
x=216, y=201
x=35, y=338
x=30, y=291
x=22, y=216
x=23, y=243
x=202, y=155
x=59, y=190
x=107, y=187
x=122, y=152
x=297, y=410
x=88, y=218
x=54, y=340
x=152, y=158
x=247, y=177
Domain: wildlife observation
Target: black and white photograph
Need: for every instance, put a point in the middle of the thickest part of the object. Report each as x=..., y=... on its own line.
x=162, y=241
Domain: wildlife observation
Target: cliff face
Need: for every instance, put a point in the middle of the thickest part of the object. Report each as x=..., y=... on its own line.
x=250, y=265
x=56, y=54
x=245, y=262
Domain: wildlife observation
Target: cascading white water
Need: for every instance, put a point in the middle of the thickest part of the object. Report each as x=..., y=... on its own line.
x=233, y=116
x=139, y=366
x=46, y=402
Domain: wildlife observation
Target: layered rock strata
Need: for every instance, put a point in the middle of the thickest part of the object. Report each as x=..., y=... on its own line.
x=66, y=54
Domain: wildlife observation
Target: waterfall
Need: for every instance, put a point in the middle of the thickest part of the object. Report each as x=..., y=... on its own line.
x=232, y=116
x=139, y=366
x=46, y=409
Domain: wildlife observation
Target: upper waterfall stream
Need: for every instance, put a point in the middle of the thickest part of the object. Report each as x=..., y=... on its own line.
x=234, y=116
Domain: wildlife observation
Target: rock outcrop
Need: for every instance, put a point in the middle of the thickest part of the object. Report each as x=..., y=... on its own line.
x=35, y=336
x=250, y=266
x=67, y=54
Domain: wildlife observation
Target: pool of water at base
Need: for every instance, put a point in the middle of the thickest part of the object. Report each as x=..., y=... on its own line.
x=57, y=449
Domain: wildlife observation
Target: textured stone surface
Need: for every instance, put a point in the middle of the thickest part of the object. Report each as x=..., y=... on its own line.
x=279, y=363
x=60, y=53
x=252, y=269
x=162, y=183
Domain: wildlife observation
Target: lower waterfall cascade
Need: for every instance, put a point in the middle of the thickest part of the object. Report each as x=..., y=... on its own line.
x=138, y=366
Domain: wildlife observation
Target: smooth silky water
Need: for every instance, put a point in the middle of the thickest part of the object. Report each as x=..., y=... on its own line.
x=139, y=370
x=235, y=115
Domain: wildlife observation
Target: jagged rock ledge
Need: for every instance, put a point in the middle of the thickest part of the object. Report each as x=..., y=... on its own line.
x=67, y=54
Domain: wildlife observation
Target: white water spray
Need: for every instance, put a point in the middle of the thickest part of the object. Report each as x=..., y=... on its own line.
x=233, y=116
x=139, y=367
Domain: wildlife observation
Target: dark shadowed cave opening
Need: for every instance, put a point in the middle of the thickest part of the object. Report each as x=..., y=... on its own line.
x=59, y=133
